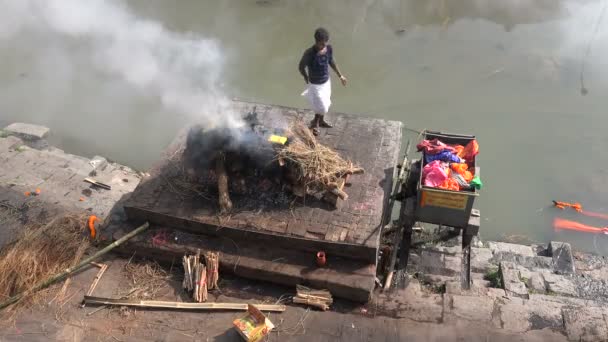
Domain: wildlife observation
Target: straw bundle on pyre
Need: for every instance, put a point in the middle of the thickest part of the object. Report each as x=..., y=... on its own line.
x=291, y=158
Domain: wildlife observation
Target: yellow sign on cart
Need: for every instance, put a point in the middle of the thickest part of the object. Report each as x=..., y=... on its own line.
x=443, y=199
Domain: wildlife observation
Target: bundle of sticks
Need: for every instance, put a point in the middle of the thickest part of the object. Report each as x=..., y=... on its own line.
x=212, y=260
x=199, y=278
x=315, y=167
x=321, y=299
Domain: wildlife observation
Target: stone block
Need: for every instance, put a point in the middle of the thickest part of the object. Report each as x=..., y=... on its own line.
x=450, y=250
x=541, y=299
x=412, y=304
x=9, y=142
x=515, y=316
x=28, y=131
x=470, y=308
x=521, y=315
x=522, y=250
x=452, y=264
x=536, y=283
x=563, y=262
x=480, y=259
x=531, y=263
x=561, y=285
x=524, y=273
x=98, y=162
x=453, y=287
x=431, y=262
x=585, y=324
x=510, y=280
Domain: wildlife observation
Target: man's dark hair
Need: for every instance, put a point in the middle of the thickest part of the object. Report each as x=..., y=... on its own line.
x=321, y=35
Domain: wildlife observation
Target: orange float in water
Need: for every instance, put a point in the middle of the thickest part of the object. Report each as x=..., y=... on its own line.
x=593, y=214
x=564, y=205
x=579, y=208
x=562, y=224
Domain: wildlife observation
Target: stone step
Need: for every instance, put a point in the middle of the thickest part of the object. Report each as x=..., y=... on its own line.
x=27, y=131
x=345, y=278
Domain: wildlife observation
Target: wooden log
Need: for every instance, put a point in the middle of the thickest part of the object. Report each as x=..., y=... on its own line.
x=197, y=282
x=335, y=191
x=222, y=184
x=71, y=270
x=321, y=299
x=355, y=171
x=202, y=297
x=340, y=193
x=212, y=261
x=299, y=190
x=180, y=305
x=311, y=302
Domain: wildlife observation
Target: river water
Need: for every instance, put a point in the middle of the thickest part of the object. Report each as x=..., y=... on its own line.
x=506, y=71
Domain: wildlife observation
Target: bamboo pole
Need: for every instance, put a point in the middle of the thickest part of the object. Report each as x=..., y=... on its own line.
x=180, y=305
x=102, y=270
x=405, y=220
x=71, y=270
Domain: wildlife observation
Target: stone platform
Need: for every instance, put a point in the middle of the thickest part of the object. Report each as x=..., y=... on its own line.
x=28, y=163
x=270, y=214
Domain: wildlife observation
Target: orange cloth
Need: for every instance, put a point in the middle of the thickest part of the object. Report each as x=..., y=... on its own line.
x=463, y=170
x=470, y=151
x=458, y=150
x=450, y=184
x=92, y=220
x=563, y=205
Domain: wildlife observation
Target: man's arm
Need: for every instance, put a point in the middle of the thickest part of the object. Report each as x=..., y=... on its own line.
x=304, y=61
x=334, y=66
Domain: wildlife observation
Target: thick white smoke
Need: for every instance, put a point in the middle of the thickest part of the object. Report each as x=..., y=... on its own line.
x=182, y=70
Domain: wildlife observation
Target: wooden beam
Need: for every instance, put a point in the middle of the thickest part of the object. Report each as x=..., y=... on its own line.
x=405, y=220
x=180, y=305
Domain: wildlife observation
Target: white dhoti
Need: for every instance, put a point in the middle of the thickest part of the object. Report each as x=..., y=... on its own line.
x=319, y=97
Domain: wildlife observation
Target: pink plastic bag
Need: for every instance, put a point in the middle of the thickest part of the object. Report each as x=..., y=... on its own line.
x=434, y=174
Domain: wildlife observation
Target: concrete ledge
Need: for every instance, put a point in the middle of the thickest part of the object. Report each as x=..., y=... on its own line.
x=27, y=131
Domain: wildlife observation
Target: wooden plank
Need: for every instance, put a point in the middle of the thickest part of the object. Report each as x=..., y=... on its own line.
x=180, y=305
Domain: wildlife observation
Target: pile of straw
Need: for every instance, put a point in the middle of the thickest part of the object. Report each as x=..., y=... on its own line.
x=317, y=166
x=42, y=251
x=147, y=280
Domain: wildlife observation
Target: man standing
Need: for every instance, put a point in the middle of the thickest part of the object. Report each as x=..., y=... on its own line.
x=314, y=67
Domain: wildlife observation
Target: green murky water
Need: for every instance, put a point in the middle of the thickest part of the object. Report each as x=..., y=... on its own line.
x=506, y=71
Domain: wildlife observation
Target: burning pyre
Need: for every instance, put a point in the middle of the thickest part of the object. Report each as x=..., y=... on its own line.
x=290, y=157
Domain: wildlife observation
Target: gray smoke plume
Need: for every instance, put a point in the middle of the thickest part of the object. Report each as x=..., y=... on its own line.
x=182, y=70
